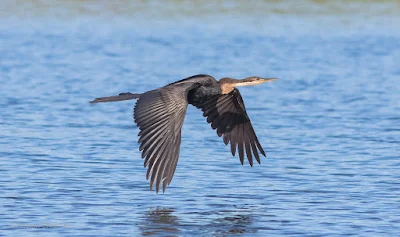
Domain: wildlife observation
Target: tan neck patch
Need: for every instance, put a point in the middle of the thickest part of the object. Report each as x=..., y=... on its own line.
x=227, y=88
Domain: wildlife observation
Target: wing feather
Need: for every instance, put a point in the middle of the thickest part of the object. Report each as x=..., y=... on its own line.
x=154, y=144
x=247, y=140
x=240, y=143
x=159, y=115
x=227, y=115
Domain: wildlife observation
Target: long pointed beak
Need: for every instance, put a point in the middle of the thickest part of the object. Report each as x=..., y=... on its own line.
x=268, y=79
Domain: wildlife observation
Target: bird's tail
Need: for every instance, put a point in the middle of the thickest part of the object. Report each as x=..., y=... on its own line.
x=120, y=97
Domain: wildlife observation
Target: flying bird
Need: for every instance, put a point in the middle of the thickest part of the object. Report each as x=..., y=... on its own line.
x=160, y=113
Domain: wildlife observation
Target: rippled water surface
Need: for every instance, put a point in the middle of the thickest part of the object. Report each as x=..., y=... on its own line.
x=330, y=126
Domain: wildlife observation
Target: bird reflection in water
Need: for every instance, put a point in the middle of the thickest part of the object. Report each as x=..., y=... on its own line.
x=160, y=221
x=236, y=224
x=165, y=222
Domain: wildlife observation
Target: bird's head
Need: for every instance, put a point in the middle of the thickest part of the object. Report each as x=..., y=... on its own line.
x=228, y=84
x=254, y=80
x=248, y=81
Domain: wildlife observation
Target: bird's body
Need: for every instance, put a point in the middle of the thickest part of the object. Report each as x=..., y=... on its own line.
x=160, y=113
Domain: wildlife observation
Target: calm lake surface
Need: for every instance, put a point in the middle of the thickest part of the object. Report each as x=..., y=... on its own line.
x=330, y=126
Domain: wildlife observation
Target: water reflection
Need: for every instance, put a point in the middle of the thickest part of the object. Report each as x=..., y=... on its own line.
x=232, y=224
x=160, y=221
x=165, y=222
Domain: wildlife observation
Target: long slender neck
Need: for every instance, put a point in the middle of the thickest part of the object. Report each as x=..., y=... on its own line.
x=227, y=85
x=227, y=88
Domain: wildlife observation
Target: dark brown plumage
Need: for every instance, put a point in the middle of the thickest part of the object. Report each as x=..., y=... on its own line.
x=160, y=113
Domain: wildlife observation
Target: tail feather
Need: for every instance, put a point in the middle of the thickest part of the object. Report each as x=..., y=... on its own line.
x=120, y=97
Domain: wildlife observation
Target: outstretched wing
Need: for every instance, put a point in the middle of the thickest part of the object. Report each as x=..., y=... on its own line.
x=159, y=115
x=227, y=114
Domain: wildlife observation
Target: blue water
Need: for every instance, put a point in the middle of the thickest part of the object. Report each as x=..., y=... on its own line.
x=330, y=128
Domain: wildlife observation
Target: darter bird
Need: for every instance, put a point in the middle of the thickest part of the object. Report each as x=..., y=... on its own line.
x=159, y=114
